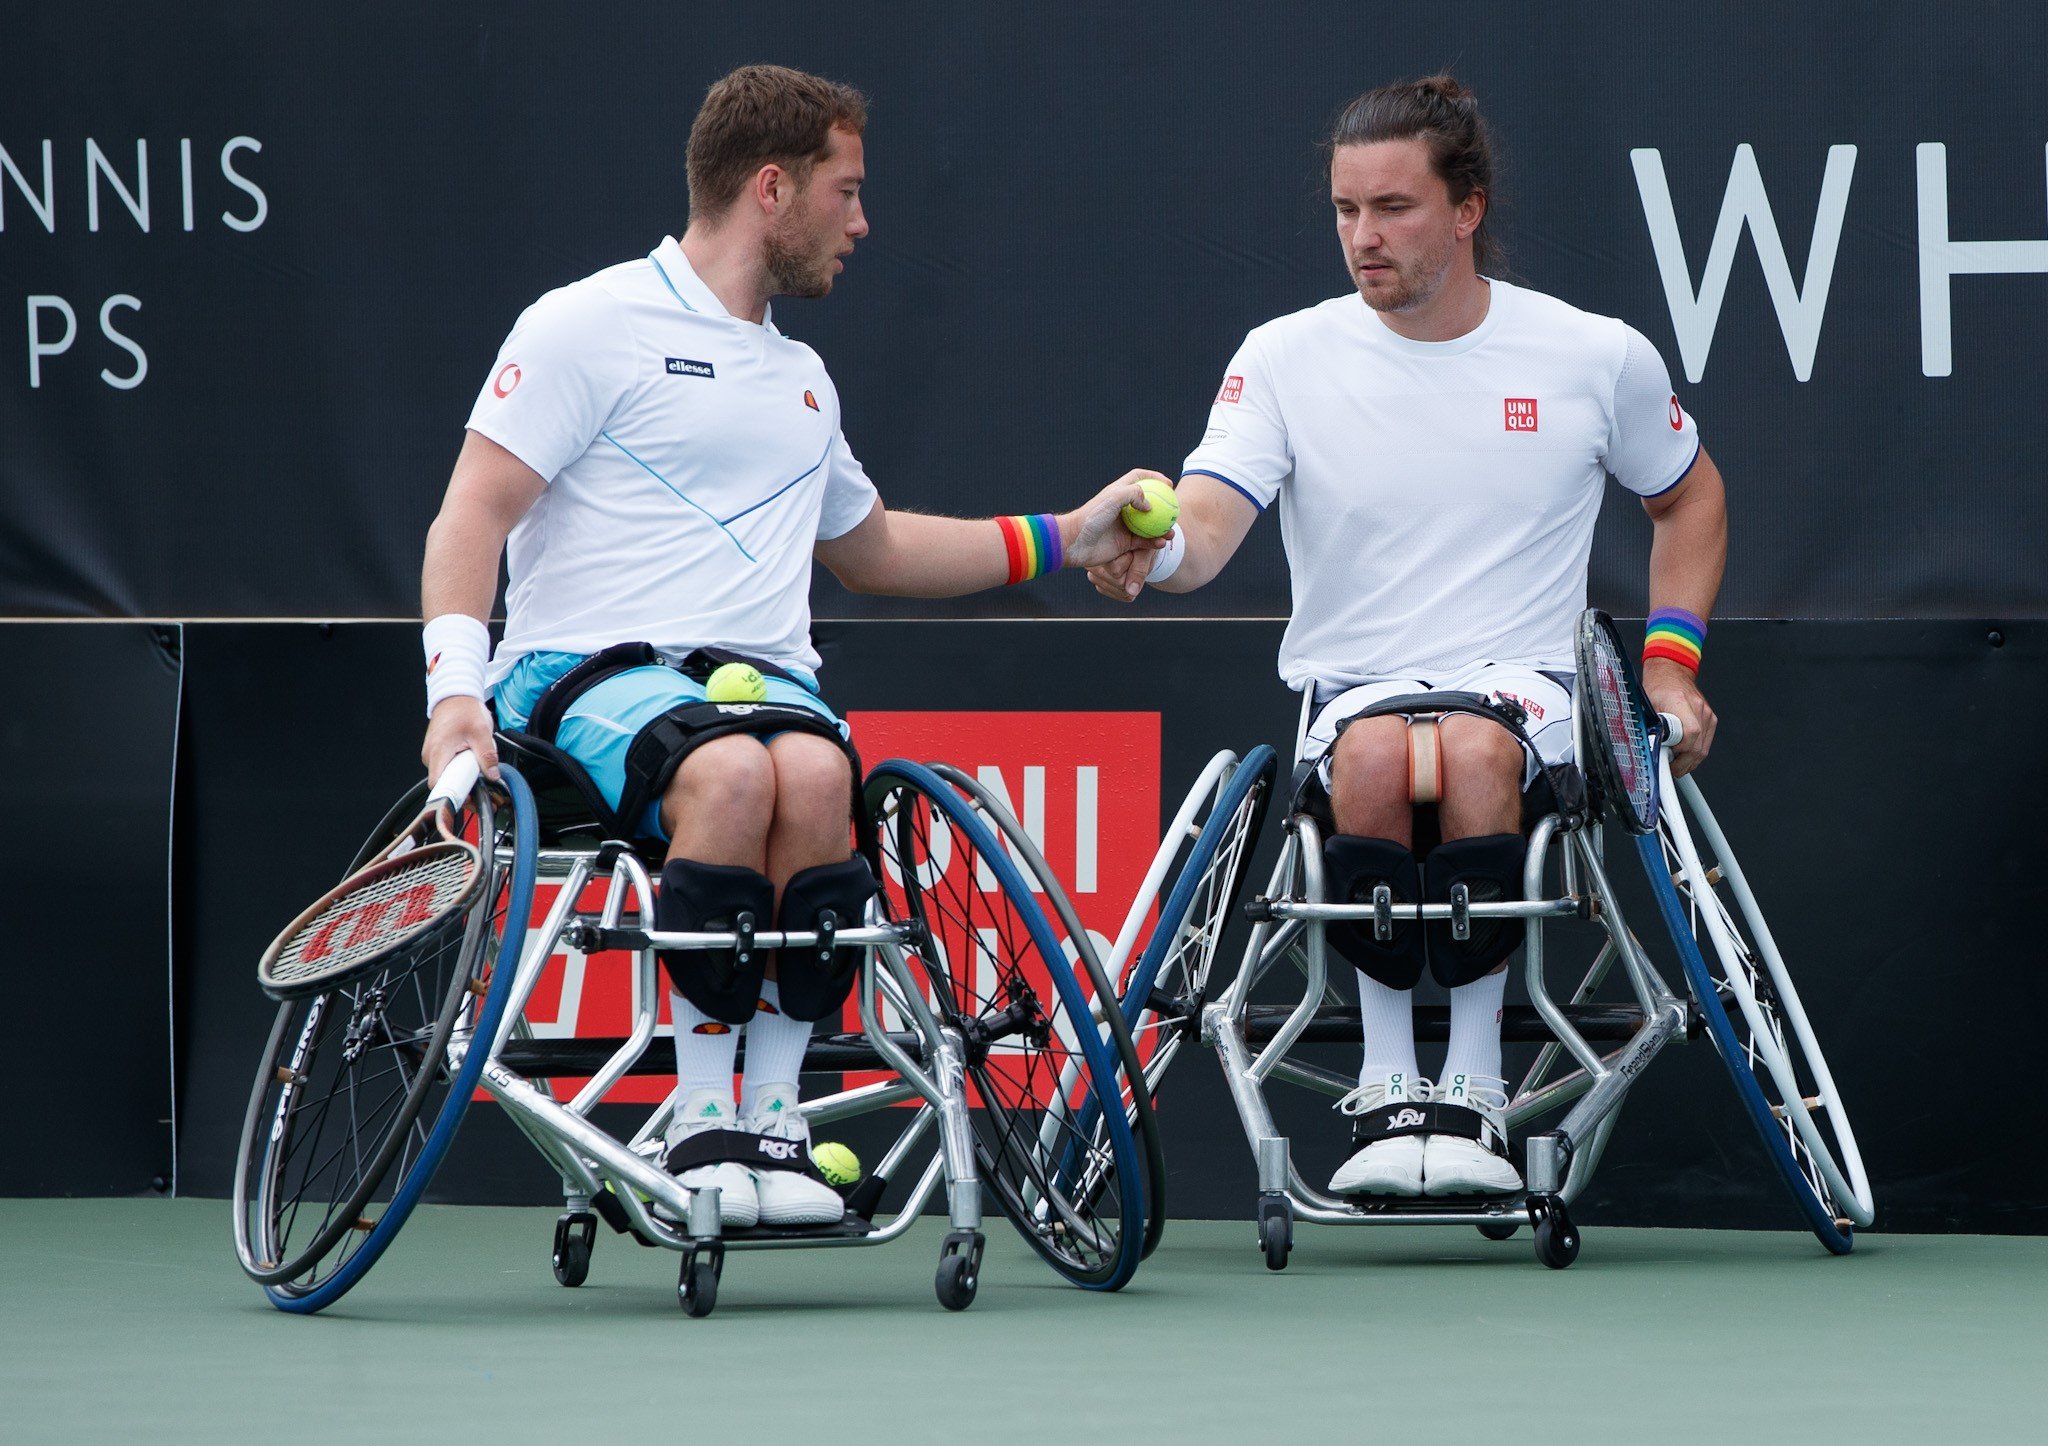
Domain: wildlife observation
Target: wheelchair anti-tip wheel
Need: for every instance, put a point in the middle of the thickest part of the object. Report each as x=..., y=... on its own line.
x=1137, y=1092
x=354, y=1105
x=1754, y=1015
x=1037, y=1061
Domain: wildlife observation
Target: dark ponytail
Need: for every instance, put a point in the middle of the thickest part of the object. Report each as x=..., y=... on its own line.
x=1444, y=114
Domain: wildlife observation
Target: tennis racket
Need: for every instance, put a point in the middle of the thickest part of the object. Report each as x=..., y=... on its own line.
x=404, y=899
x=1622, y=732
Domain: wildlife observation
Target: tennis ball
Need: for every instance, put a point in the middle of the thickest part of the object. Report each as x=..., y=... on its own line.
x=839, y=1165
x=1165, y=510
x=735, y=683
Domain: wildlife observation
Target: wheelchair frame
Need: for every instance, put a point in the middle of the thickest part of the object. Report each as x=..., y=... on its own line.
x=1592, y=1052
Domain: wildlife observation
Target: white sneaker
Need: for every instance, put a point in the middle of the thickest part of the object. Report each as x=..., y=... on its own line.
x=738, y=1204
x=1384, y=1167
x=1453, y=1165
x=787, y=1196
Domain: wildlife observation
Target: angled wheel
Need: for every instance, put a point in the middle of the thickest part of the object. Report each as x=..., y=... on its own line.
x=355, y=1103
x=1754, y=1016
x=1038, y=1062
x=1137, y=1092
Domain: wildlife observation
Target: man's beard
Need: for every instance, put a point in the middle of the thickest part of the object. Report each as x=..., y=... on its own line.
x=1413, y=284
x=796, y=270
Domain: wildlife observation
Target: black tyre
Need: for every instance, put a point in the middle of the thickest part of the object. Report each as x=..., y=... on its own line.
x=1557, y=1239
x=956, y=1282
x=1499, y=1229
x=575, y=1238
x=697, y=1285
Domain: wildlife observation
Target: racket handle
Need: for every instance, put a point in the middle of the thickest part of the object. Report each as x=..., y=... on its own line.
x=1673, y=729
x=456, y=780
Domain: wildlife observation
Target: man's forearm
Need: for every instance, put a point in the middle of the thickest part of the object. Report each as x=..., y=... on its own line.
x=1689, y=545
x=460, y=573
x=919, y=555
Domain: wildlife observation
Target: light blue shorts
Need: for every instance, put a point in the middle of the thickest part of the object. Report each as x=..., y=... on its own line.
x=602, y=724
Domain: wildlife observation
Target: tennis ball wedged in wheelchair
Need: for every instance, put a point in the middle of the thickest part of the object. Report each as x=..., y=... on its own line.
x=839, y=1165
x=735, y=683
x=1165, y=510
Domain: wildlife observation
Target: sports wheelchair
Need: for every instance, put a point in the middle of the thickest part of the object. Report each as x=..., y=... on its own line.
x=1593, y=1045
x=1012, y=1078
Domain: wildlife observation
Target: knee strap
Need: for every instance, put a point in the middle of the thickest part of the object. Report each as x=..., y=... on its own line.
x=701, y=898
x=814, y=982
x=1354, y=868
x=1490, y=868
x=1425, y=760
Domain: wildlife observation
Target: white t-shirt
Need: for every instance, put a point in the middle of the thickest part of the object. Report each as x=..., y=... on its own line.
x=1437, y=499
x=693, y=460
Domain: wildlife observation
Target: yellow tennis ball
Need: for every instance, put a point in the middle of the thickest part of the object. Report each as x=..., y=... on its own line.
x=735, y=683
x=1165, y=510
x=839, y=1165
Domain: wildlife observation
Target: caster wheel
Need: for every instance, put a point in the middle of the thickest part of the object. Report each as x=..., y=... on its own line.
x=1276, y=1232
x=1557, y=1239
x=575, y=1237
x=959, y=1273
x=956, y=1282
x=697, y=1287
x=1499, y=1229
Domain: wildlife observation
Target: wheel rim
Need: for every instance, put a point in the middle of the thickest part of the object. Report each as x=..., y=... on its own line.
x=997, y=975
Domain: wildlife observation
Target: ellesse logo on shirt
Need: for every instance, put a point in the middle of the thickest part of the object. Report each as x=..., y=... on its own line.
x=682, y=366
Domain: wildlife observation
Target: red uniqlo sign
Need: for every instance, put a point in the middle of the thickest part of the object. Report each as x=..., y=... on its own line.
x=1084, y=785
x=1521, y=413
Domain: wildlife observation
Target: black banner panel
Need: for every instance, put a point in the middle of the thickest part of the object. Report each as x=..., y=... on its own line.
x=86, y=763
x=1877, y=779
x=255, y=264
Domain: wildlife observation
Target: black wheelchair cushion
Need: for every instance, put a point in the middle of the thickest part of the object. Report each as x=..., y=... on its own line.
x=570, y=807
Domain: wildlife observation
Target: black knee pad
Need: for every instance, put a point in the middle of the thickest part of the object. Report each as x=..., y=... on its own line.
x=1353, y=867
x=699, y=898
x=814, y=982
x=1490, y=868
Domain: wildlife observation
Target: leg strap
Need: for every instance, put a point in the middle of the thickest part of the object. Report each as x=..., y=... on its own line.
x=1397, y=1118
x=1480, y=871
x=756, y=1152
x=1371, y=870
x=814, y=982
x=705, y=898
x=1425, y=759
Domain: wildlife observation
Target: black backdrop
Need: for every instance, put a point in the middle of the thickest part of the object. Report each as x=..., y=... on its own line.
x=1078, y=211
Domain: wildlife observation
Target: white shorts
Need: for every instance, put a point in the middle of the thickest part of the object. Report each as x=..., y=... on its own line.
x=1545, y=697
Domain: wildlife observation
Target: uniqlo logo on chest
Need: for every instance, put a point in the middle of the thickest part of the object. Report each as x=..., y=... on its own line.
x=1085, y=786
x=1233, y=388
x=1521, y=413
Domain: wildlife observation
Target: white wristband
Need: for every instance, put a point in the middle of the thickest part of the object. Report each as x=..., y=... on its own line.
x=457, y=648
x=1168, y=557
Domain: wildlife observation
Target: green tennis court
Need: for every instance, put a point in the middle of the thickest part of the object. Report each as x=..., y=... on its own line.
x=129, y=1319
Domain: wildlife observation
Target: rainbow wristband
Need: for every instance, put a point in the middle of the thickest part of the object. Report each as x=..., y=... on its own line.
x=1676, y=634
x=1032, y=544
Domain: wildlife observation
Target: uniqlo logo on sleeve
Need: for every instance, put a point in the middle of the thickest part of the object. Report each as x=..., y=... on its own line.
x=1233, y=388
x=1521, y=414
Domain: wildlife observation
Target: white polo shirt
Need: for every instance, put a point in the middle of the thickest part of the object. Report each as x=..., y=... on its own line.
x=1437, y=499
x=693, y=460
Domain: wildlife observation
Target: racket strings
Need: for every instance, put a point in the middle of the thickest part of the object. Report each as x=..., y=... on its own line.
x=368, y=920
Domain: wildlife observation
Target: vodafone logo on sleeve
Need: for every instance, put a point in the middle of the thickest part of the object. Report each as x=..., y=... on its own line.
x=1233, y=388
x=1520, y=413
x=507, y=378
x=1677, y=415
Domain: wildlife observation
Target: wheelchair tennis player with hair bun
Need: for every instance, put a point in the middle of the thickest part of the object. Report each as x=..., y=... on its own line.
x=1595, y=1040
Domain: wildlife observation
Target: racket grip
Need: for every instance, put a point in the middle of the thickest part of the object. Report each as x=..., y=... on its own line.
x=1673, y=729
x=457, y=779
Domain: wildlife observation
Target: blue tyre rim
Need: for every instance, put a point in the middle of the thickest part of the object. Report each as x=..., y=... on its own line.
x=1102, y=1065
x=1819, y=1218
x=518, y=910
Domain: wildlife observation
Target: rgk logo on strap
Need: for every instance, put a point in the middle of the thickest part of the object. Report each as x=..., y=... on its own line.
x=1521, y=413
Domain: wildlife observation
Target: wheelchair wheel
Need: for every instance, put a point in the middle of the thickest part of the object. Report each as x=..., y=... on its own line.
x=1765, y=1038
x=354, y=1104
x=1137, y=1092
x=1173, y=968
x=1053, y=1143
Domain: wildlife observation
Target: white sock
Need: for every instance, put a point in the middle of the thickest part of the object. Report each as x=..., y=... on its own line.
x=775, y=1051
x=705, y=1049
x=1475, y=1027
x=1389, y=1018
